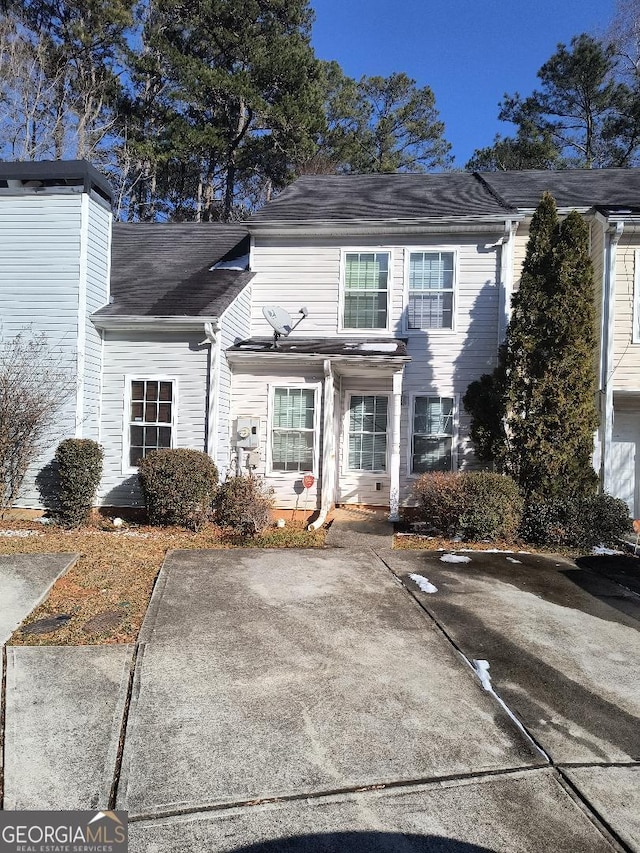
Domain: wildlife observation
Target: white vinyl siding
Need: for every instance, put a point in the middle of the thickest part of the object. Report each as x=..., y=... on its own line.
x=168, y=356
x=42, y=266
x=365, y=291
x=303, y=270
x=293, y=429
x=367, y=439
x=432, y=434
x=235, y=324
x=430, y=303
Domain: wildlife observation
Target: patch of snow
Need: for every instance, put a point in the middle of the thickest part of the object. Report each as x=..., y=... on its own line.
x=43, y=520
x=454, y=558
x=383, y=346
x=20, y=534
x=482, y=669
x=424, y=583
x=602, y=551
x=511, y=560
x=117, y=522
x=241, y=263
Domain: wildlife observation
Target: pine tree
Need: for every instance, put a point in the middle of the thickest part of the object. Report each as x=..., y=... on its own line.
x=545, y=385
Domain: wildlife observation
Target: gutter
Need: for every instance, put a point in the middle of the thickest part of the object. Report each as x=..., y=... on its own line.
x=135, y=322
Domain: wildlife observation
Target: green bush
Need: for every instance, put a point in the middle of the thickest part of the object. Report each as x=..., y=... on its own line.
x=583, y=523
x=477, y=505
x=244, y=503
x=79, y=468
x=179, y=486
x=492, y=506
x=441, y=500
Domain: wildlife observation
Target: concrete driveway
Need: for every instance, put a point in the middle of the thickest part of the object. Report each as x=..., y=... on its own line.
x=305, y=700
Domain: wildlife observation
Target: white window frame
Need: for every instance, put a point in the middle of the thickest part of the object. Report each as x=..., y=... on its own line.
x=409, y=250
x=455, y=430
x=316, y=388
x=357, y=472
x=126, y=414
x=635, y=335
x=366, y=250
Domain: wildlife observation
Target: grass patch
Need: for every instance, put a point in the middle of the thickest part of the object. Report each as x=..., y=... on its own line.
x=116, y=571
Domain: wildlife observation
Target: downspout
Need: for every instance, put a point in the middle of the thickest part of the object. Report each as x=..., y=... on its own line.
x=328, y=451
x=394, y=460
x=211, y=337
x=608, y=343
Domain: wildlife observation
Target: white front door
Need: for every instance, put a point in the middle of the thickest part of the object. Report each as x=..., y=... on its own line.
x=623, y=473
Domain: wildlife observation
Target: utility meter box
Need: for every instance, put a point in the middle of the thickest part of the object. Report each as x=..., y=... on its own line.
x=248, y=433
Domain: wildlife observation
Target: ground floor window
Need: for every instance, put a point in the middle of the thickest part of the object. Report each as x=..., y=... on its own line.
x=150, y=417
x=293, y=429
x=368, y=433
x=432, y=435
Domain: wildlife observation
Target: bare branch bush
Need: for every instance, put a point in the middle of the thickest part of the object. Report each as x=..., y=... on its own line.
x=33, y=389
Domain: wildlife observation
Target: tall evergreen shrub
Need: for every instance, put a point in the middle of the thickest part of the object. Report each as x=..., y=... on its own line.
x=545, y=385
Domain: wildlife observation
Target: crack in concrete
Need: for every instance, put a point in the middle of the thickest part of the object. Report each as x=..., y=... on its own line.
x=334, y=792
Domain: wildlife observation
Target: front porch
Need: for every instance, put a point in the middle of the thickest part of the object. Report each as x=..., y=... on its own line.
x=331, y=408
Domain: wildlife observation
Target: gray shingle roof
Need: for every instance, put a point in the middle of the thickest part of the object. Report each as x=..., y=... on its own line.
x=382, y=197
x=605, y=188
x=164, y=270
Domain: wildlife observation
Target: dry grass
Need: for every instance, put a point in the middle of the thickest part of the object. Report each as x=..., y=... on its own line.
x=116, y=571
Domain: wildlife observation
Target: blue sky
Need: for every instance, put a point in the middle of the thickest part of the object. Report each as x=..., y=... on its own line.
x=469, y=51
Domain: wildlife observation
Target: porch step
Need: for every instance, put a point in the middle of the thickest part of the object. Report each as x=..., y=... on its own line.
x=360, y=528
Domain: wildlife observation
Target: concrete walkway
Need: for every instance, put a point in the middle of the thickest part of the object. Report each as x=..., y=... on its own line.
x=360, y=527
x=25, y=580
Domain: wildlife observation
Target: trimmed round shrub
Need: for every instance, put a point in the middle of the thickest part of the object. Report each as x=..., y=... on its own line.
x=576, y=522
x=492, y=506
x=244, y=504
x=441, y=500
x=179, y=486
x=79, y=468
x=606, y=519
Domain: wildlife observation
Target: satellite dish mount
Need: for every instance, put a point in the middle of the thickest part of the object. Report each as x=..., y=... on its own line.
x=280, y=321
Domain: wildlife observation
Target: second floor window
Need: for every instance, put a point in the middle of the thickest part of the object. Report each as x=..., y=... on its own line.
x=366, y=283
x=431, y=286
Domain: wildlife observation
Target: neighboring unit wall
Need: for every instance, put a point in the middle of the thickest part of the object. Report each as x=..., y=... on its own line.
x=98, y=257
x=626, y=362
x=235, y=324
x=519, y=252
x=135, y=355
x=42, y=275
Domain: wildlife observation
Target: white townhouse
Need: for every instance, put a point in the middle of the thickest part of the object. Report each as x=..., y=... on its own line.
x=406, y=283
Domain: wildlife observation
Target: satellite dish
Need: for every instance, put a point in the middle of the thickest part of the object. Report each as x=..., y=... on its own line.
x=278, y=319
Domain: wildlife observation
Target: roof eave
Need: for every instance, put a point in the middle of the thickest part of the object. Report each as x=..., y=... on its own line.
x=387, y=226
x=248, y=356
x=137, y=322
